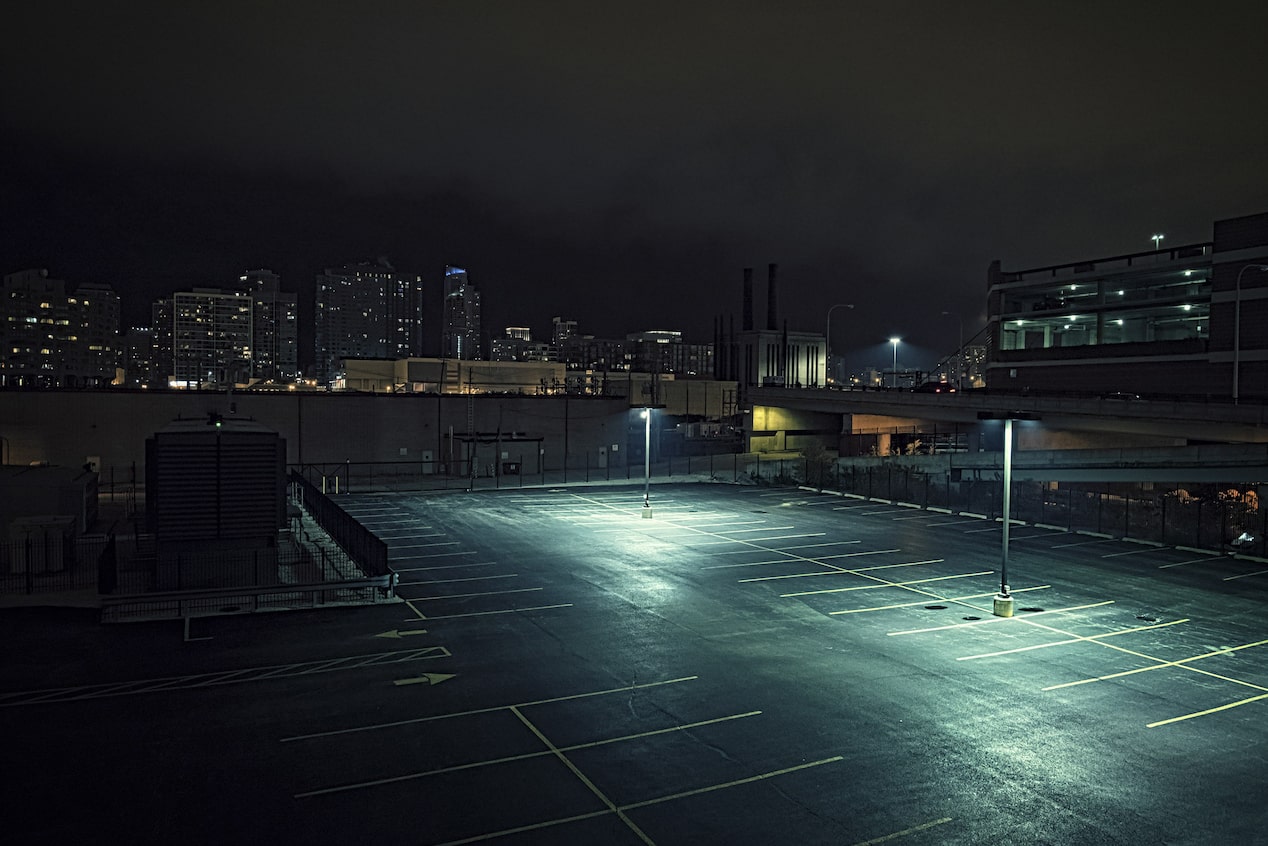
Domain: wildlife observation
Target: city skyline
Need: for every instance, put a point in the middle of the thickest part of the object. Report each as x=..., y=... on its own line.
x=630, y=162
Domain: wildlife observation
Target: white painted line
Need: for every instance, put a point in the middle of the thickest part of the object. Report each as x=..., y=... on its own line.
x=889, y=584
x=443, y=567
x=1000, y=619
x=469, y=595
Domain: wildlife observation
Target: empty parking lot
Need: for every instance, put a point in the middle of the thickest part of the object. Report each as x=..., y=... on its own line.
x=746, y=665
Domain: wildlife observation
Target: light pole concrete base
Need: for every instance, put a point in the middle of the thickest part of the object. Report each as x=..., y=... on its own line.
x=647, y=511
x=1003, y=605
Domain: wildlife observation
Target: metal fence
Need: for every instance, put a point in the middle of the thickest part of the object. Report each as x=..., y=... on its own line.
x=185, y=604
x=366, y=550
x=51, y=561
x=1225, y=519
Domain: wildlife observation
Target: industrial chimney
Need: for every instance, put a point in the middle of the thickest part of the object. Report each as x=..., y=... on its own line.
x=748, y=300
x=772, y=298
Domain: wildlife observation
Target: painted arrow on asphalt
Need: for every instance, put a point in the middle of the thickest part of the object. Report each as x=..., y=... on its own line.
x=426, y=678
x=398, y=634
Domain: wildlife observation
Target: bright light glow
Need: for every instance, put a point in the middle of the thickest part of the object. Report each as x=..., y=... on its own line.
x=1187, y=307
x=894, y=340
x=1119, y=322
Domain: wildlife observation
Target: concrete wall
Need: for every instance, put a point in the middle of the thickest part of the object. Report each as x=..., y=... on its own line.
x=66, y=427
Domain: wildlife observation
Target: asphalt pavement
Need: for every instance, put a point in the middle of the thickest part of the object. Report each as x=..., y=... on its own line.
x=743, y=665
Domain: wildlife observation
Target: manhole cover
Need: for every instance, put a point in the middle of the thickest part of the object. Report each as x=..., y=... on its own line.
x=759, y=512
x=1146, y=618
x=935, y=607
x=1032, y=610
x=972, y=618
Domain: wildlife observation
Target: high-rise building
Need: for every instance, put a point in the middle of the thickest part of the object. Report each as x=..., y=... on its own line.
x=367, y=311
x=204, y=337
x=518, y=345
x=461, y=336
x=50, y=339
x=274, y=342
x=562, y=331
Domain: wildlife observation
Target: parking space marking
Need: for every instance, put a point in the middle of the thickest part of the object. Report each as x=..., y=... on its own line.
x=469, y=595
x=817, y=545
x=435, y=617
x=647, y=803
x=443, y=567
x=1162, y=665
x=740, y=531
x=751, y=563
x=736, y=783
x=1203, y=560
x=1075, y=639
x=954, y=523
x=757, y=540
x=888, y=584
x=990, y=620
x=360, y=785
x=940, y=599
x=281, y=671
x=1245, y=575
x=465, y=579
x=905, y=832
x=853, y=571
x=1084, y=543
x=1225, y=707
x=1130, y=552
x=1037, y=536
x=431, y=555
x=489, y=710
x=834, y=569
x=421, y=545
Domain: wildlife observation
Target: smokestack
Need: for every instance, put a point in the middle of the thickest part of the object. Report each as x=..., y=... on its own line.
x=747, y=324
x=772, y=298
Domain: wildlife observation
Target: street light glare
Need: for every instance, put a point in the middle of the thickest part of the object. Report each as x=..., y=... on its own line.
x=894, y=340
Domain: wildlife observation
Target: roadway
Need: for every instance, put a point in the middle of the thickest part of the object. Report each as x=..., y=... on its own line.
x=748, y=666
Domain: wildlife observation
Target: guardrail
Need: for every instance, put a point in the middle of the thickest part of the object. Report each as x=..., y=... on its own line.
x=175, y=605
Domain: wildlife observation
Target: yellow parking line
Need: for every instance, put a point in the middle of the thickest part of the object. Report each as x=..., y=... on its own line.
x=1160, y=666
x=1217, y=709
x=1000, y=619
x=1075, y=639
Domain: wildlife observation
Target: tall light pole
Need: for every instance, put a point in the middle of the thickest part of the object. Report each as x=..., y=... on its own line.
x=827, y=341
x=647, y=462
x=895, y=341
x=1237, y=325
x=1004, y=600
x=959, y=351
x=1157, y=239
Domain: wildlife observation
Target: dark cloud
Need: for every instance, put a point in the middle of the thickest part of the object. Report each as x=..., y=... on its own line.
x=621, y=165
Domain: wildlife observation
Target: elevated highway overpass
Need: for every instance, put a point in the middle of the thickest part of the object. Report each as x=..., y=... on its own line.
x=1074, y=439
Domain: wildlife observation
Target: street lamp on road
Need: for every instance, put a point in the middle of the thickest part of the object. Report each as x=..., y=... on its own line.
x=1157, y=239
x=827, y=341
x=1237, y=325
x=895, y=341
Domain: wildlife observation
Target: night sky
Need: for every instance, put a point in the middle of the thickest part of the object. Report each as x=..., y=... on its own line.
x=620, y=164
